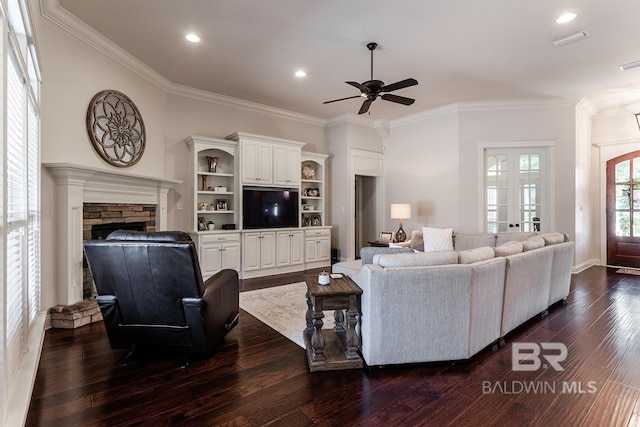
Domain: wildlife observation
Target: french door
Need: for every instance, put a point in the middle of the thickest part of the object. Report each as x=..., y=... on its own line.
x=623, y=210
x=515, y=183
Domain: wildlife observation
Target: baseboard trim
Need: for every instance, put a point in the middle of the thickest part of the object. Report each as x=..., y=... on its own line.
x=22, y=387
x=583, y=266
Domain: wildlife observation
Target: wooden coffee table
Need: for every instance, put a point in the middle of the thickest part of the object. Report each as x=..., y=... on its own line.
x=337, y=348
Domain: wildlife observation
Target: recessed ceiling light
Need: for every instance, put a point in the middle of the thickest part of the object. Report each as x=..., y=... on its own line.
x=566, y=17
x=300, y=73
x=192, y=38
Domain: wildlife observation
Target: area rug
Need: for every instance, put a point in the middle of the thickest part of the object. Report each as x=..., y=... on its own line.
x=634, y=271
x=282, y=308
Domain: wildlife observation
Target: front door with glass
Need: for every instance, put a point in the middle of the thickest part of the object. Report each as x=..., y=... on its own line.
x=623, y=210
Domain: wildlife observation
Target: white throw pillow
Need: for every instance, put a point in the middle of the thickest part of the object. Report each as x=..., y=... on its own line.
x=437, y=239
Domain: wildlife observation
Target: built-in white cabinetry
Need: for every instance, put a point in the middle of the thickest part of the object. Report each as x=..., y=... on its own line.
x=218, y=251
x=289, y=249
x=268, y=161
x=259, y=250
x=212, y=203
x=219, y=171
x=312, y=189
x=212, y=196
x=317, y=247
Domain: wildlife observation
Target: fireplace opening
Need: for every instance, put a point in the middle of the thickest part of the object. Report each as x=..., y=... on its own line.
x=101, y=231
x=100, y=219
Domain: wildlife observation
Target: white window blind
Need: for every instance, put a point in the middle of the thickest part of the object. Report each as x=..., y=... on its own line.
x=16, y=185
x=33, y=206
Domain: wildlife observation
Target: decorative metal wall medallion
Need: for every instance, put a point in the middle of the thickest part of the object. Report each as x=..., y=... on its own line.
x=116, y=128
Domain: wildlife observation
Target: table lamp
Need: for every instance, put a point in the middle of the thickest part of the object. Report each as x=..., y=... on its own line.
x=401, y=211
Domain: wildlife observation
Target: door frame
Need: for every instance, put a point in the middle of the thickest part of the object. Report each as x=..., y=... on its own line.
x=550, y=144
x=365, y=163
x=607, y=151
x=610, y=194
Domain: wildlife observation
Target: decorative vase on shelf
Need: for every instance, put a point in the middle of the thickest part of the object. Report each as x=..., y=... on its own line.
x=213, y=163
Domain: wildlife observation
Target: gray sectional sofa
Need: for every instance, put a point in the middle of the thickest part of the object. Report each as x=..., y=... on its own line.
x=449, y=305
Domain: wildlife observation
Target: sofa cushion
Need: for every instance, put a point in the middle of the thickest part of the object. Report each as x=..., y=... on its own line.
x=466, y=241
x=437, y=239
x=367, y=253
x=474, y=255
x=509, y=248
x=517, y=236
x=417, y=259
x=552, y=238
x=531, y=243
x=348, y=268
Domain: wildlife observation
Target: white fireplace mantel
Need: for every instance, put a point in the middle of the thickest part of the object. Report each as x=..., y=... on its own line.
x=79, y=184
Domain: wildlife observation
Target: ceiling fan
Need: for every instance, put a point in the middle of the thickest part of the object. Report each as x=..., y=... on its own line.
x=371, y=89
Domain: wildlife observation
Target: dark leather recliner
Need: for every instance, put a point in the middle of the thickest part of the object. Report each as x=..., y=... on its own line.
x=150, y=291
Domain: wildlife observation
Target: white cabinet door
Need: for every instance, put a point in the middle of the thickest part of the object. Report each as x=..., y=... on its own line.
x=289, y=248
x=209, y=260
x=310, y=249
x=267, y=250
x=283, y=248
x=231, y=256
x=296, y=247
x=324, y=249
x=251, y=251
x=286, y=161
x=257, y=162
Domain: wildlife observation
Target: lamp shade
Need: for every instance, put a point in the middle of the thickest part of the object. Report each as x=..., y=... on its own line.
x=400, y=211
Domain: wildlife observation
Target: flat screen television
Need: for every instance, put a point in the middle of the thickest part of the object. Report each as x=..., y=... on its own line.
x=269, y=207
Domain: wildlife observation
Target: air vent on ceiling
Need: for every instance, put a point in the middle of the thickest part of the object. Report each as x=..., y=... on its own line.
x=629, y=65
x=580, y=35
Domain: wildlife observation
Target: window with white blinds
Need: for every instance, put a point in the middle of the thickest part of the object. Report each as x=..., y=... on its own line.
x=16, y=185
x=19, y=193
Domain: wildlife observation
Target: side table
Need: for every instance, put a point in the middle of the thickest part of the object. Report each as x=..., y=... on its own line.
x=378, y=243
x=337, y=348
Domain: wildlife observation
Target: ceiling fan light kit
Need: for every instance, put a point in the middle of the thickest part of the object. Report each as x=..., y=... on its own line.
x=372, y=89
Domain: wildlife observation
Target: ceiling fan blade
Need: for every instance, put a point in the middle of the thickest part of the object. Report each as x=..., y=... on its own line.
x=399, y=85
x=365, y=106
x=342, y=99
x=399, y=99
x=362, y=87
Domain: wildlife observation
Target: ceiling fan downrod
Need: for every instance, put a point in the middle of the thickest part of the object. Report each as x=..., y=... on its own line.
x=372, y=46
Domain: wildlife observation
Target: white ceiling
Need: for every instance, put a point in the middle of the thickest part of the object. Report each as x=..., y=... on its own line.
x=457, y=50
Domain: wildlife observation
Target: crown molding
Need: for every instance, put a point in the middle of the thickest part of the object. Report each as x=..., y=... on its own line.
x=475, y=106
x=612, y=143
x=51, y=10
x=425, y=115
x=227, y=101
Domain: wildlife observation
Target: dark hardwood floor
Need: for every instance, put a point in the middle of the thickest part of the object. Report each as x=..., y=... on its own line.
x=258, y=377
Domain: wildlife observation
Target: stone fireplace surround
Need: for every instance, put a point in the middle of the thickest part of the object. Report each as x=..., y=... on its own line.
x=80, y=184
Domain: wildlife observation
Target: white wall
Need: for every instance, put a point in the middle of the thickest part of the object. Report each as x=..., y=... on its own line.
x=438, y=156
x=421, y=168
